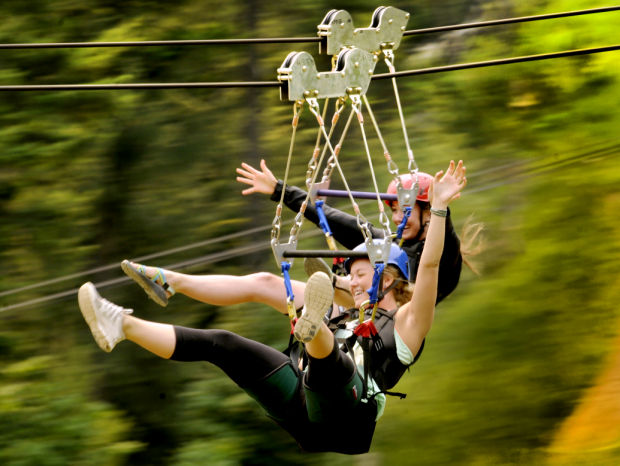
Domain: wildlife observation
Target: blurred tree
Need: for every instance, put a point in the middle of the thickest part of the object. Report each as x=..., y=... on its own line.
x=89, y=178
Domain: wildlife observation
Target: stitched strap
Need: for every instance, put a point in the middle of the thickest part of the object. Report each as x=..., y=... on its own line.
x=159, y=278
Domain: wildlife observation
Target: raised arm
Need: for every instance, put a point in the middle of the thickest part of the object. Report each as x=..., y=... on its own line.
x=413, y=320
x=344, y=226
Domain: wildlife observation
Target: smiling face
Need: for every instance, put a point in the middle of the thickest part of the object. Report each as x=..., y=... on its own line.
x=412, y=227
x=361, y=275
x=361, y=280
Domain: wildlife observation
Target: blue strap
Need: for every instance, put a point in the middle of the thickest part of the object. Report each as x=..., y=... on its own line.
x=373, y=291
x=401, y=227
x=322, y=219
x=286, y=266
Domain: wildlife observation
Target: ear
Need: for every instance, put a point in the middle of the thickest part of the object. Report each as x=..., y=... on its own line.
x=387, y=280
x=426, y=216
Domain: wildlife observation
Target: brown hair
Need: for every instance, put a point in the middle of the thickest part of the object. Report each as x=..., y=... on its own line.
x=403, y=290
x=472, y=243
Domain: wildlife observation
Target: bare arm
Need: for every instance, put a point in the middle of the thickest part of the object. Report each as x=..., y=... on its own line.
x=413, y=320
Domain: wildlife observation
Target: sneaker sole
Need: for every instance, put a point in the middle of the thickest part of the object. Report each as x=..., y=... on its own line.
x=313, y=265
x=318, y=298
x=152, y=289
x=85, y=300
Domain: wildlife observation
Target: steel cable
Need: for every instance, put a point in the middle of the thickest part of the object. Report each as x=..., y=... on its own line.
x=397, y=74
x=291, y=40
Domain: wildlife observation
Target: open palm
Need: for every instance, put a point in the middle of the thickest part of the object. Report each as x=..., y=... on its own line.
x=447, y=186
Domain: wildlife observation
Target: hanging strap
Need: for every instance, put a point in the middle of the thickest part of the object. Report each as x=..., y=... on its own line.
x=290, y=297
x=374, y=290
x=331, y=163
x=356, y=103
x=388, y=53
x=323, y=223
x=401, y=227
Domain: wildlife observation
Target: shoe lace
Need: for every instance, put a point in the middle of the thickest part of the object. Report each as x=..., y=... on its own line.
x=110, y=307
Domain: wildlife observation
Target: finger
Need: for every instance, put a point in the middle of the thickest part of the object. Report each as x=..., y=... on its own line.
x=245, y=192
x=244, y=180
x=244, y=173
x=450, y=168
x=249, y=168
x=461, y=185
x=438, y=175
x=263, y=166
x=460, y=169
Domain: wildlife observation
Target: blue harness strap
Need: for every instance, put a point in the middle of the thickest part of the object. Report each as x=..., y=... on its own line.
x=323, y=223
x=290, y=297
x=401, y=227
x=373, y=291
x=322, y=219
x=294, y=349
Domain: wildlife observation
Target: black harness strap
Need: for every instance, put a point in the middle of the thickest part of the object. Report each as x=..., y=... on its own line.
x=295, y=350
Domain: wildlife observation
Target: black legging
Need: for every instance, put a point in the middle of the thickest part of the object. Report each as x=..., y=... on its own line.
x=304, y=405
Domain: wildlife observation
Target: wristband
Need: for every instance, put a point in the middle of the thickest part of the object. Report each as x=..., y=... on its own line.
x=439, y=212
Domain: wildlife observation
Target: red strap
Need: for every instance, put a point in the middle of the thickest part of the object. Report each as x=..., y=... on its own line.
x=293, y=322
x=366, y=329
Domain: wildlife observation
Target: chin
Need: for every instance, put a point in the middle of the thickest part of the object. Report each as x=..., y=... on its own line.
x=359, y=300
x=408, y=234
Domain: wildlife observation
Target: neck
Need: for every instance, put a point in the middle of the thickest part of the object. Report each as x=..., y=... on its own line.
x=388, y=302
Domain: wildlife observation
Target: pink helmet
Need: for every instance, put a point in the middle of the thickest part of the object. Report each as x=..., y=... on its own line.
x=407, y=180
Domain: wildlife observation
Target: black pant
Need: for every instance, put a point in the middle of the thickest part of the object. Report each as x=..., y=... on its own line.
x=321, y=409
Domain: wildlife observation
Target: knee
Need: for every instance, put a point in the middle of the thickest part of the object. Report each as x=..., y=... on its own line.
x=223, y=338
x=262, y=284
x=265, y=279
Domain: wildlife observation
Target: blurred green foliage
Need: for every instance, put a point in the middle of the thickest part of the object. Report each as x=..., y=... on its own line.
x=90, y=178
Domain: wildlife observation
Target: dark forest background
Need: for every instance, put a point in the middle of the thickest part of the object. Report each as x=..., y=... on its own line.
x=88, y=178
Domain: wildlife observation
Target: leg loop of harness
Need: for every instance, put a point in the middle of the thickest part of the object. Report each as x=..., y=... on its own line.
x=276, y=391
x=328, y=404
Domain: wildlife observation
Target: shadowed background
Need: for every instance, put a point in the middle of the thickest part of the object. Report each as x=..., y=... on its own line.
x=521, y=364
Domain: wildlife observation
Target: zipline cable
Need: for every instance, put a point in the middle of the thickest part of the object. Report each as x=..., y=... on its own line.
x=540, y=166
x=141, y=86
x=397, y=74
x=159, y=43
x=499, y=22
x=291, y=40
x=497, y=62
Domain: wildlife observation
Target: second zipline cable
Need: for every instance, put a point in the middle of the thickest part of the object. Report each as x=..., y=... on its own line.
x=397, y=74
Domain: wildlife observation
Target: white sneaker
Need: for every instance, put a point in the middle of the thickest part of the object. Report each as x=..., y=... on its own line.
x=104, y=318
x=318, y=299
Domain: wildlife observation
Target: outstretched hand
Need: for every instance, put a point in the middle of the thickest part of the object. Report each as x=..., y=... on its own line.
x=447, y=186
x=262, y=181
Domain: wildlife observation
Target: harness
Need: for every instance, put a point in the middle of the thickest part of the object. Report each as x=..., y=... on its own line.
x=379, y=349
x=354, y=56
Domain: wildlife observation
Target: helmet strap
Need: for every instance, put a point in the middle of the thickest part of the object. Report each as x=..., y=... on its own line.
x=383, y=292
x=421, y=229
